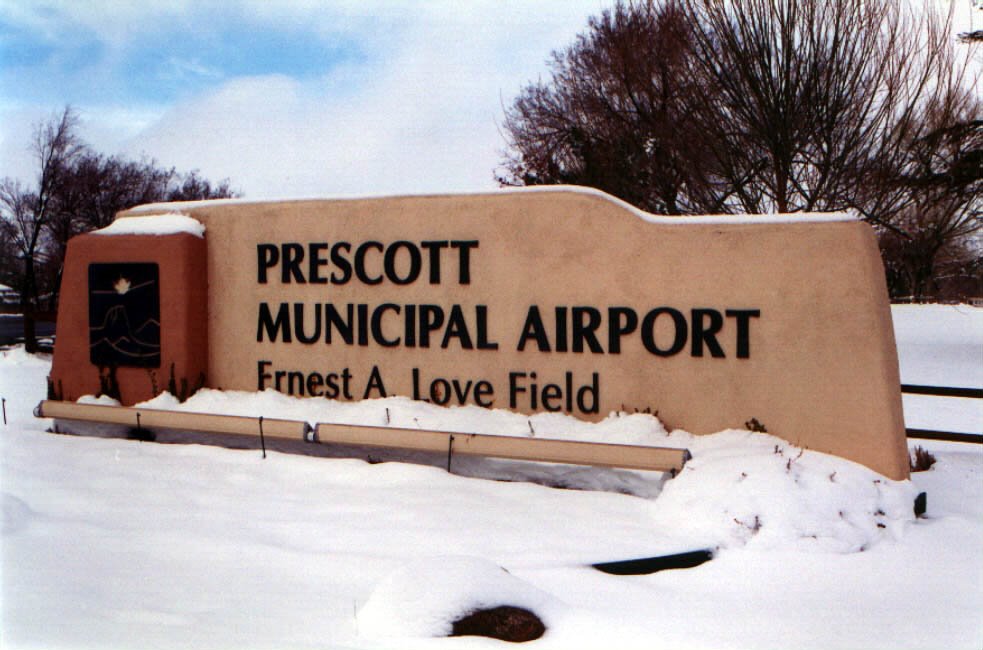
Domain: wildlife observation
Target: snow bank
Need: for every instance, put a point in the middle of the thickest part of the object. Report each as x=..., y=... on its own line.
x=425, y=597
x=170, y=223
x=122, y=544
x=740, y=487
x=743, y=488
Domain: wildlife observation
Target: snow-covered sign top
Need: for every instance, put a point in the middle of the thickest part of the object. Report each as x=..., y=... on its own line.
x=709, y=219
x=170, y=223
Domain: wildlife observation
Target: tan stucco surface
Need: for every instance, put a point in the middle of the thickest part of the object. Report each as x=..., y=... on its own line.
x=820, y=368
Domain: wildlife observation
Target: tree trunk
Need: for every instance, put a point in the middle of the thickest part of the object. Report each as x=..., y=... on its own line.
x=28, y=303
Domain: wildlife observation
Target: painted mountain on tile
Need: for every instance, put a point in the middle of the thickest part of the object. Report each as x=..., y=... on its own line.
x=124, y=315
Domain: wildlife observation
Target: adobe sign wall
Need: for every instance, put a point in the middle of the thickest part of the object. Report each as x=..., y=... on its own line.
x=533, y=301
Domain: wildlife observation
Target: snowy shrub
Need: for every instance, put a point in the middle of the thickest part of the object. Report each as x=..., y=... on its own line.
x=426, y=597
x=743, y=488
x=921, y=459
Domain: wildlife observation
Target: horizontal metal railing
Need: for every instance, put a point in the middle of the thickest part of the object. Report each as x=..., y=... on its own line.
x=943, y=391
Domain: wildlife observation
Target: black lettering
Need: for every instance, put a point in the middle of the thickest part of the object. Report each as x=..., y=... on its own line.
x=346, y=378
x=299, y=324
x=273, y=327
x=316, y=261
x=374, y=384
x=314, y=383
x=618, y=327
x=482, y=390
x=293, y=255
x=409, y=336
x=389, y=263
x=363, y=324
x=267, y=255
x=457, y=327
x=360, y=272
x=331, y=390
x=706, y=334
x=534, y=329
x=552, y=392
x=514, y=388
x=743, y=317
x=591, y=391
x=561, y=329
x=569, y=392
x=584, y=331
x=334, y=321
x=481, y=313
x=341, y=263
x=298, y=377
x=262, y=375
x=440, y=391
x=431, y=318
x=434, y=248
x=648, y=332
x=377, y=334
x=464, y=264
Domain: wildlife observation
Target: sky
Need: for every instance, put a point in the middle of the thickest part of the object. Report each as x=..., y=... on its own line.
x=286, y=99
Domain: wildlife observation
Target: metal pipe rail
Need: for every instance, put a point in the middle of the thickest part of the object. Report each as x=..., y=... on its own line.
x=637, y=457
x=661, y=459
x=141, y=418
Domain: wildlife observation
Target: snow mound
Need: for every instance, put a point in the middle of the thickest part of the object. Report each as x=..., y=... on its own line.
x=740, y=487
x=402, y=412
x=425, y=597
x=154, y=224
x=743, y=488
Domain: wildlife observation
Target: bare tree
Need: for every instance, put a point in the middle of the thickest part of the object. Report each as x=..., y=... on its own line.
x=616, y=113
x=812, y=92
x=193, y=187
x=77, y=190
x=97, y=187
x=55, y=146
x=935, y=197
x=686, y=106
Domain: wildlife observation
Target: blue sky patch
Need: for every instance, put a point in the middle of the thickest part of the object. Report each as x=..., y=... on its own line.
x=160, y=67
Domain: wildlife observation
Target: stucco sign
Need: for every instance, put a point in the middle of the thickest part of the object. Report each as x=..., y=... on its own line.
x=561, y=301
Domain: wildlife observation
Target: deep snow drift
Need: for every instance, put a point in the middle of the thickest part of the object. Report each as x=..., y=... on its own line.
x=110, y=542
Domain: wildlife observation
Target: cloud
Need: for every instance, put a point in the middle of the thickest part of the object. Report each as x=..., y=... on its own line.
x=405, y=97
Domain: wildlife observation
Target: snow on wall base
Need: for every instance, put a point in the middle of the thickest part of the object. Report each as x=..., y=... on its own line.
x=739, y=489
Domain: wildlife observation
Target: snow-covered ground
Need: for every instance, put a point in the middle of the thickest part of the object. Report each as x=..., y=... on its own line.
x=112, y=543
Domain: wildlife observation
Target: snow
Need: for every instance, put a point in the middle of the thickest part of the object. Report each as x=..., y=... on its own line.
x=717, y=219
x=170, y=223
x=108, y=542
x=955, y=361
